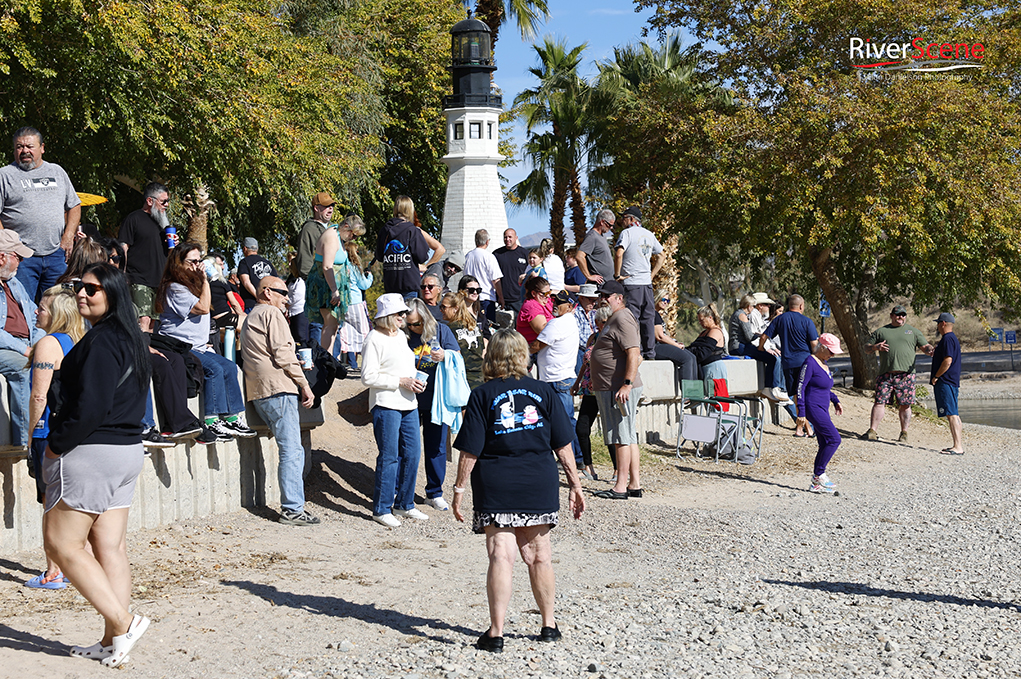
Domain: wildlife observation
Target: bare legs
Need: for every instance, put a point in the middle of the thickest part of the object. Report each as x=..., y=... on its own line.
x=628, y=459
x=330, y=327
x=955, y=430
x=104, y=579
x=879, y=412
x=534, y=545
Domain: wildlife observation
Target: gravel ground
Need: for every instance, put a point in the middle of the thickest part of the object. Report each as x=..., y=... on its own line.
x=719, y=571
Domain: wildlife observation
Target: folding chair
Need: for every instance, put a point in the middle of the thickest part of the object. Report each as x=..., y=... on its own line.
x=749, y=427
x=708, y=422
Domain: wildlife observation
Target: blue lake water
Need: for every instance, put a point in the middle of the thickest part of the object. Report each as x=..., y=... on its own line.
x=1005, y=412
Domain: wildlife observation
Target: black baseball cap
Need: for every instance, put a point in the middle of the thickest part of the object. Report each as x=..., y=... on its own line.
x=610, y=288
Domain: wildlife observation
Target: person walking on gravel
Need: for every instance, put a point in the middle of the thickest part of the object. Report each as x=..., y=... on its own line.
x=946, y=378
x=815, y=393
x=511, y=424
x=895, y=343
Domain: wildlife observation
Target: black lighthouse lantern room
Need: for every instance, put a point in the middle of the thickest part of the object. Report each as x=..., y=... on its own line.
x=472, y=65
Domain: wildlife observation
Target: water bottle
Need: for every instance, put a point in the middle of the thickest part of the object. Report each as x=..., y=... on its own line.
x=434, y=343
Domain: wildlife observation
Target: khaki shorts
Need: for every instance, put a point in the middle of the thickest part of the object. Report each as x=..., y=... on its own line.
x=617, y=429
x=144, y=298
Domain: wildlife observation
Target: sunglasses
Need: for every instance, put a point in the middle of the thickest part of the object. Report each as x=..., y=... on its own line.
x=473, y=291
x=543, y=294
x=193, y=262
x=901, y=315
x=428, y=287
x=90, y=288
x=415, y=325
x=20, y=258
x=665, y=299
x=279, y=291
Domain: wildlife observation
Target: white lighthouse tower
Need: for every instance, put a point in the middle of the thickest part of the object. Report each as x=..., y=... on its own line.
x=474, y=200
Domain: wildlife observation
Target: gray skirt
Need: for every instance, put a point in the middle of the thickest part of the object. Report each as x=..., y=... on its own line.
x=93, y=478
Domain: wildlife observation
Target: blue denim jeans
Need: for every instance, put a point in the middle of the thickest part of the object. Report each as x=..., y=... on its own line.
x=434, y=444
x=149, y=419
x=222, y=391
x=563, y=389
x=774, y=368
x=40, y=273
x=14, y=367
x=315, y=333
x=280, y=412
x=396, y=433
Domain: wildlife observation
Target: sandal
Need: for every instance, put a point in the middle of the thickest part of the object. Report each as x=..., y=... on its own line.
x=124, y=643
x=611, y=494
x=951, y=451
x=59, y=582
x=96, y=651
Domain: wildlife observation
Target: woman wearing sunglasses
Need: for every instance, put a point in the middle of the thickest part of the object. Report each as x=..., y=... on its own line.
x=537, y=309
x=388, y=370
x=183, y=301
x=470, y=289
x=94, y=457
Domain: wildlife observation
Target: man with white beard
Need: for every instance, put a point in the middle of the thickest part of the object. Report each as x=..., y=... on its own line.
x=38, y=202
x=146, y=249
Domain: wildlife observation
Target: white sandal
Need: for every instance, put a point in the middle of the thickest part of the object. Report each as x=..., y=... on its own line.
x=96, y=651
x=123, y=644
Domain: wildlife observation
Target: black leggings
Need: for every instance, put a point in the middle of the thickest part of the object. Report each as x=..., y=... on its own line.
x=586, y=417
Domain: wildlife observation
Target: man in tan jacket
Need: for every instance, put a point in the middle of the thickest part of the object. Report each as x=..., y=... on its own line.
x=275, y=382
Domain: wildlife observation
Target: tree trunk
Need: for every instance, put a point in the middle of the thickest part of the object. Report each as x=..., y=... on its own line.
x=851, y=318
x=577, y=208
x=557, y=210
x=198, y=206
x=490, y=12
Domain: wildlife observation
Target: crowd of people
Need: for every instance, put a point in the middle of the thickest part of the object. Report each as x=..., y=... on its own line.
x=99, y=337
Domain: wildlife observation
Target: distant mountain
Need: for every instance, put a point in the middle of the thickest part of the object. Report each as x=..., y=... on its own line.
x=533, y=240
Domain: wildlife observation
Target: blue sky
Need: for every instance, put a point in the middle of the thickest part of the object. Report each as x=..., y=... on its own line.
x=603, y=24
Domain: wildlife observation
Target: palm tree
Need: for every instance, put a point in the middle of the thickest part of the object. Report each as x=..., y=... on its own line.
x=556, y=117
x=528, y=14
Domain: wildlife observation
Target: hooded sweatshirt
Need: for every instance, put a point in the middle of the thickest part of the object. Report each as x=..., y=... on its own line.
x=401, y=247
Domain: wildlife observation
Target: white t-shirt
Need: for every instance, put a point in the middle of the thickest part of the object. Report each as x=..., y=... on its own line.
x=639, y=246
x=554, y=272
x=296, y=297
x=560, y=355
x=483, y=265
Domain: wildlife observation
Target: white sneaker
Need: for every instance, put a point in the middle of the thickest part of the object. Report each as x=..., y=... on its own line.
x=438, y=503
x=413, y=513
x=781, y=397
x=388, y=520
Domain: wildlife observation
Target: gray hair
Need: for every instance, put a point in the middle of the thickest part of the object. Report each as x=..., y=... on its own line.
x=26, y=132
x=481, y=238
x=417, y=306
x=153, y=189
x=603, y=314
x=606, y=216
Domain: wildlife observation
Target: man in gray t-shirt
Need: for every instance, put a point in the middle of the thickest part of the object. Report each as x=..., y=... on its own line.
x=38, y=202
x=636, y=261
x=594, y=258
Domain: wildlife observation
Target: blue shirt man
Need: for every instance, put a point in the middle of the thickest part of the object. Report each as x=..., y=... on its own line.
x=798, y=338
x=945, y=377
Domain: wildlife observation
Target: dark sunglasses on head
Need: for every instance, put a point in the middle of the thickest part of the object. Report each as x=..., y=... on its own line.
x=279, y=291
x=90, y=288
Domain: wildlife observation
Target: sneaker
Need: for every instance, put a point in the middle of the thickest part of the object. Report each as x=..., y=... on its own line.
x=152, y=439
x=413, y=513
x=438, y=503
x=302, y=518
x=218, y=429
x=823, y=480
x=184, y=434
x=488, y=643
x=238, y=428
x=903, y=438
x=870, y=435
x=781, y=397
x=388, y=520
x=550, y=634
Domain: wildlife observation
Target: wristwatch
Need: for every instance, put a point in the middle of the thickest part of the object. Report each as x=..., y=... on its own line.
x=627, y=383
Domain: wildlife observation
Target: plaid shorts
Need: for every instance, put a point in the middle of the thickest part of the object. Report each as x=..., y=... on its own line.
x=895, y=385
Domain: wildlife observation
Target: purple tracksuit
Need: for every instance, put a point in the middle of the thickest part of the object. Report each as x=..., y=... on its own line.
x=815, y=393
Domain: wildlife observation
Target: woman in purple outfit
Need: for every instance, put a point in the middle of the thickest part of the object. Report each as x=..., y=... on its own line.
x=815, y=393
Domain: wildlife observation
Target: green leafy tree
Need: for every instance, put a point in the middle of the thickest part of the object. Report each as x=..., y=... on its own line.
x=879, y=187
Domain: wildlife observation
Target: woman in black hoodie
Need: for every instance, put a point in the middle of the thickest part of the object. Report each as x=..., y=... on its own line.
x=94, y=457
x=403, y=248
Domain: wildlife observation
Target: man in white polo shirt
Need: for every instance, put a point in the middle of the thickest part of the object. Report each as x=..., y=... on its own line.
x=557, y=347
x=481, y=264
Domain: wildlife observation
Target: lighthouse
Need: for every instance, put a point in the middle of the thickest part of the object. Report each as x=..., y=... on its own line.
x=474, y=200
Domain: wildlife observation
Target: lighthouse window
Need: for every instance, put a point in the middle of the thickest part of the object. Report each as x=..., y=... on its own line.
x=489, y=130
x=458, y=130
x=475, y=130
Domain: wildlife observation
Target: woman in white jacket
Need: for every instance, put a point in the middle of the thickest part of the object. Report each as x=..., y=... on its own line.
x=388, y=370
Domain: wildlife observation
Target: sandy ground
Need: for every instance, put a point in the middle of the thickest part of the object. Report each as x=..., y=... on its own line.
x=240, y=595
